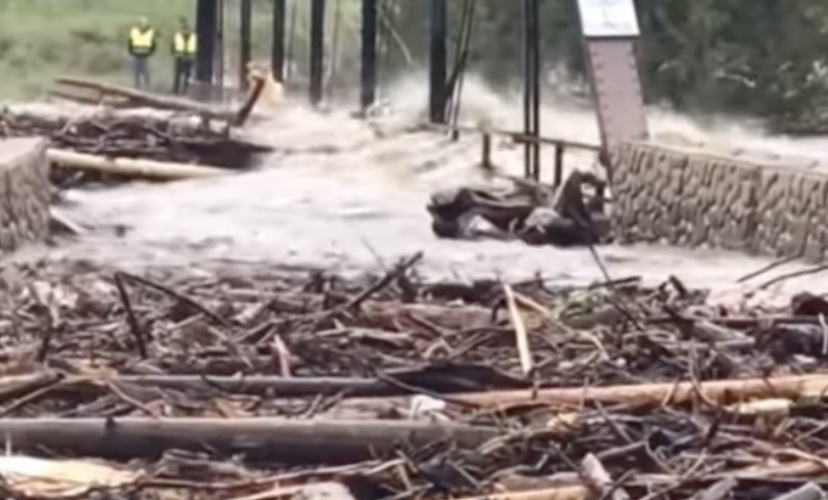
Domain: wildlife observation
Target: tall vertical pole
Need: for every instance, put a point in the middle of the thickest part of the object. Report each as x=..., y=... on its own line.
x=206, y=27
x=317, y=50
x=368, y=69
x=531, y=81
x=218, y=73
x=277, y=45
x=438, y=60
x=534, y=9
x=245, y=35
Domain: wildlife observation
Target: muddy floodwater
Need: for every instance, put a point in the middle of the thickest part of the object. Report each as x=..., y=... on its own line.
x=349, y=194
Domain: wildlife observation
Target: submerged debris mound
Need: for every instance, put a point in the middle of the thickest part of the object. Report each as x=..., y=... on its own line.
x=129, y=134
x=391, y=387
x=131, y=145
x=532, y=212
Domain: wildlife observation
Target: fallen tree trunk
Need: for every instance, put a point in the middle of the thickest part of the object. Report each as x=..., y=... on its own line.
x=282, y=440
x=131, y=167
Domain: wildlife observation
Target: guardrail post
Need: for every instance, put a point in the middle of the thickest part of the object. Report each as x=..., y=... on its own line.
x=559, y=159
x=486, y=152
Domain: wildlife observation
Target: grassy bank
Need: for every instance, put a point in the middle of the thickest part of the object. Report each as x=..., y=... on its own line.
x=42, y=39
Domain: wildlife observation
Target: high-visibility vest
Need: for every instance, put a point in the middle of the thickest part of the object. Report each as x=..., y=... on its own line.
x=184, y=45
x=142, y=40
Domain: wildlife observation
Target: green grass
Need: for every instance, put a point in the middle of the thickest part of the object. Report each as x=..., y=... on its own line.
x=42, y=39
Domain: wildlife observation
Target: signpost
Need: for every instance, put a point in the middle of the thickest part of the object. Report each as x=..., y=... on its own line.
x=610, y=28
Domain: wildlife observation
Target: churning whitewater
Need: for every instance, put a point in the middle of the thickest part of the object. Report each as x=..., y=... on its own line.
x=350, y=194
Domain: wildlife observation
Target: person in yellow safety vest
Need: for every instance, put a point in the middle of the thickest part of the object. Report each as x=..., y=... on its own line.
x=141, y=49
x=184, y=47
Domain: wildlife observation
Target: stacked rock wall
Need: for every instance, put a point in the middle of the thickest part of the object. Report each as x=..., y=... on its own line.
x=24, y=193
x=691, y=196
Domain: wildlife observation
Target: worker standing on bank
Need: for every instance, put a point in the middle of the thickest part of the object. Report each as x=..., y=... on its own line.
x=185, y=45
x=141, y=49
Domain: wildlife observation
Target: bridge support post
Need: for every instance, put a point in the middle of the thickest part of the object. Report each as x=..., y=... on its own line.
x=206, y=27
x=245, y=35
x=438, y=61
x=368, y=69
x=277, y=44
x=317, y=50
x=531, y=94
x=609, y=29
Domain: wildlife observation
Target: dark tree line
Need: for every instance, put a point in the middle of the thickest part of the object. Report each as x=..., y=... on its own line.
x=757, y=57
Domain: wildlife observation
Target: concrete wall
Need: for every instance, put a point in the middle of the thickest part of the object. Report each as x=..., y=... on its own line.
x=691, y=196
x=24, y=192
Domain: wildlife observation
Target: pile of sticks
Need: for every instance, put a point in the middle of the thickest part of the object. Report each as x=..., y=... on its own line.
x=173, y=139
x=388, y=387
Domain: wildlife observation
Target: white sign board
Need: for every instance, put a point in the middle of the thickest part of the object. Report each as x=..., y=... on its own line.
x=608, y=18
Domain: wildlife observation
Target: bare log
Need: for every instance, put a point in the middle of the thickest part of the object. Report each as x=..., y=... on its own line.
x=278, y=439
x=131, y=167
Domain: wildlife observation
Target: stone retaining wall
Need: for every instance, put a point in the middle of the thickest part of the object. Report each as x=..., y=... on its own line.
x=24, y=192
x=691, y=196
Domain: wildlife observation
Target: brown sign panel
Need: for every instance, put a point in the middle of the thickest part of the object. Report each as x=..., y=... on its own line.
x=610, y=28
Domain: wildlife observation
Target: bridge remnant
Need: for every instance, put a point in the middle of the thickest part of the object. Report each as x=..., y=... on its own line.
x=206, y=26
x=692, y=195
x=438, y=60
x=368, y=56
x=277, y=44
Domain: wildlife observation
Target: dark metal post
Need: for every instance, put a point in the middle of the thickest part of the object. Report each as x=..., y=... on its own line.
x=218, y=72
x=437, y=64
x=531, y=91
x=534, y=10
x=317, y=50
x=277, y=46
x=245, y=35
x=368, y=70
x=206, y=26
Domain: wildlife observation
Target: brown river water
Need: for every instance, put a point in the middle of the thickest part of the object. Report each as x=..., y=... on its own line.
x=350, y=195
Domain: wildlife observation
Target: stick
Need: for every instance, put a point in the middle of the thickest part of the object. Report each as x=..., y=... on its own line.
x=721, y=391
x=521, y=337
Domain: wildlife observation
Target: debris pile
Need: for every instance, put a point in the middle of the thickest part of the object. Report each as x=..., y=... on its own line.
x=169, y=138
x=389, y=387
x=529, y=211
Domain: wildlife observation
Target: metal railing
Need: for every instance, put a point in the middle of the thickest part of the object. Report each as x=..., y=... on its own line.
x=486, y=134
